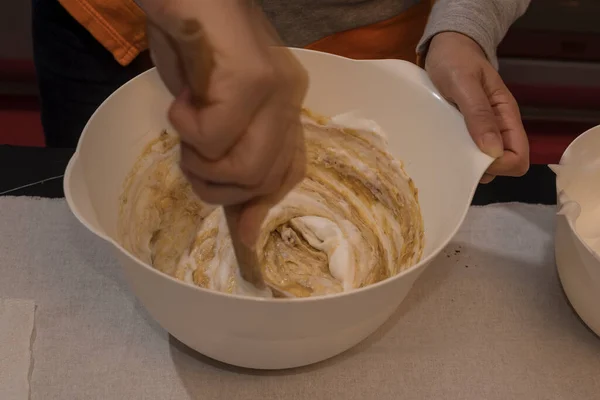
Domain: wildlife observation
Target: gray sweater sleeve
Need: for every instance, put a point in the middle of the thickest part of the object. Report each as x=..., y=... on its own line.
x=485, y=21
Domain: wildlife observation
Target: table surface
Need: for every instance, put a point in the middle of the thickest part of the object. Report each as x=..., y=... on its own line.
x=30, y=171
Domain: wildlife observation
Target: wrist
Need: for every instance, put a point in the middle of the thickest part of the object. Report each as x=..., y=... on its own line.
x=452, y=39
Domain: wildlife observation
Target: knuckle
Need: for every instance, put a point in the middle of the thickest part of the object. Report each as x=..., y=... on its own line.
x=500, y=91
x=482, y=112
x=264, y=76
x=271, y=184
x=213, y=150
x=501, y=95
x=481, y=119
x=214, y=144
x=206, y=147
x=251, y=170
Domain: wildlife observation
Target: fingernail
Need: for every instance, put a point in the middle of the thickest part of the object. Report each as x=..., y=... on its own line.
x=492, y=145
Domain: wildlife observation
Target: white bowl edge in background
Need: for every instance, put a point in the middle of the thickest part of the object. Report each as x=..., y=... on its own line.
x=577, y=264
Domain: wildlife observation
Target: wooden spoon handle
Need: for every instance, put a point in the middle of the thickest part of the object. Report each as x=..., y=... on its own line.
x=197, y=58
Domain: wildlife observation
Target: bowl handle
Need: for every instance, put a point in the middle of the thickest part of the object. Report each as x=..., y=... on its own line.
x=480, y=161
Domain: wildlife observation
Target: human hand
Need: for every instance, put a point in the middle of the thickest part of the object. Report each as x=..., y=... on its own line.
x=460, y=70
x=244, y=145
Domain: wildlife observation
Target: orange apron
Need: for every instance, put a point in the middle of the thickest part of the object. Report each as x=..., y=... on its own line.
x=396, y=37
x=119, y=25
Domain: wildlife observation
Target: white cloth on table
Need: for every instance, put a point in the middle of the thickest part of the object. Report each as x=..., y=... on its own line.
x=487, y=320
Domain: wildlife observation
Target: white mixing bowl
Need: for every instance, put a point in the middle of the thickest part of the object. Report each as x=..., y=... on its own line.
x=578, y=185
x=427, y=133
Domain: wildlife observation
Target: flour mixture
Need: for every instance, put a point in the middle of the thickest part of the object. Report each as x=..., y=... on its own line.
x=355, y=220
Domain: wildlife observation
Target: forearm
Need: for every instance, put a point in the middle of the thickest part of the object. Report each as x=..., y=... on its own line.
x=485, y=21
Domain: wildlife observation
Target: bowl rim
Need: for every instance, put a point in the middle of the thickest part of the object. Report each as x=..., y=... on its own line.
x=571, y=221
x=420, y=73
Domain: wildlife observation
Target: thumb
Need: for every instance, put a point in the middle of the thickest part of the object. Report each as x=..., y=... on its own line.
x=472, y=101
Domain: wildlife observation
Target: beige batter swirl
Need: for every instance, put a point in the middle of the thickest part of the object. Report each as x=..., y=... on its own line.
x=355, y=219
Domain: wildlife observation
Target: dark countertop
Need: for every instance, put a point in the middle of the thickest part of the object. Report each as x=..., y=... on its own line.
x=31, y=171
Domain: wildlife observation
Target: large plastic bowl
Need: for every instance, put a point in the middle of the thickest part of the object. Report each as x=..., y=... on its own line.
x=426, y=132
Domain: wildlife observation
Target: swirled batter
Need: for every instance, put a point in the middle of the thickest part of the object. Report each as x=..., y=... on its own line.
x=353, y=221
